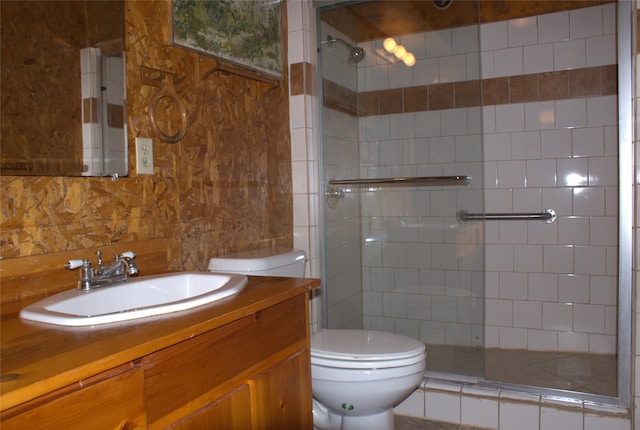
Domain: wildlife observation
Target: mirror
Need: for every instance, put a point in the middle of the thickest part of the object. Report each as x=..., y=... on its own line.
x=62, y=70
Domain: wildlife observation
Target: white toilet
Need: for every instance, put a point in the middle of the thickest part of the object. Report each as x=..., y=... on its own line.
x=357, y=376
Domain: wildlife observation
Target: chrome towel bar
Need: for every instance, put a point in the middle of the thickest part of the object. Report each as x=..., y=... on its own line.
x=419, y=180
x=548, y=216
x=335, y=192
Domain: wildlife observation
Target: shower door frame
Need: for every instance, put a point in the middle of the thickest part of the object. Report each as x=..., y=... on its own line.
x=625, y=197
x=625, y=46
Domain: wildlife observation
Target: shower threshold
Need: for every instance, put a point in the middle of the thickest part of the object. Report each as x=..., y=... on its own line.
x=580, y=376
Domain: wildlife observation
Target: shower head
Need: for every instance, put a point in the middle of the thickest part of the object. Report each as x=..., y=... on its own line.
x=356, y=53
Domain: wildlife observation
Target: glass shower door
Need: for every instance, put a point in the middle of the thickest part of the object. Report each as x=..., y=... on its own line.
x=397, y=259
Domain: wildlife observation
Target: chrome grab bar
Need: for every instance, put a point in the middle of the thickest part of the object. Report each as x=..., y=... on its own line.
x=548, y=216
x=334, y=193
x=423, y=180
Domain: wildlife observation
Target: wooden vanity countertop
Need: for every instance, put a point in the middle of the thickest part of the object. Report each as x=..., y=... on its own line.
x=37, y=358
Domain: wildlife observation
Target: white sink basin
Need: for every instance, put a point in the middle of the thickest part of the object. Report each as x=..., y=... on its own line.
x=137, y=298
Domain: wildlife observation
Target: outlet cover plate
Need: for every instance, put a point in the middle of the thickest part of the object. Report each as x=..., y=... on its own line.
x=144, y=156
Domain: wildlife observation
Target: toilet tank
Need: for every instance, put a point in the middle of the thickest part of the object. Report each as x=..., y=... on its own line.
x=262, y=262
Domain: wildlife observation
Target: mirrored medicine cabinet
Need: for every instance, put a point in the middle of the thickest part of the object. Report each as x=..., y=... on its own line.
x=63, y=88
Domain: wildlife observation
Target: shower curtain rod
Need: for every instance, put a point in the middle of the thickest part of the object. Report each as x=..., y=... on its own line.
x=548, y=216
x=422, y=180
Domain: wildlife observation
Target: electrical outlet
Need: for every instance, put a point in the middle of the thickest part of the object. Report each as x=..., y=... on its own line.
x=144, y=156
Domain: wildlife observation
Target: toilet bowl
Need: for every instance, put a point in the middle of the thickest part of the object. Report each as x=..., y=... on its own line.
x=357, y=376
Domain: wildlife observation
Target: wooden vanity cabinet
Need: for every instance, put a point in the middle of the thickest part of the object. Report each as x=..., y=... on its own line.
x=112, y=400
x=252, y=373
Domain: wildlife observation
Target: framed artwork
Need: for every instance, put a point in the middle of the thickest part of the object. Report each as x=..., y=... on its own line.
x=246, y=33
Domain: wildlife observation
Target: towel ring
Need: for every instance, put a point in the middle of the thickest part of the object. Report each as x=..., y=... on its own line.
x=168, y=92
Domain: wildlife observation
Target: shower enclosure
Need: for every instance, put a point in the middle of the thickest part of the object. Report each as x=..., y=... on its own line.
x=470, y=173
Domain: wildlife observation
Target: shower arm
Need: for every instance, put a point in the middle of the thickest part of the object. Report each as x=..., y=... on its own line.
x=331, y=40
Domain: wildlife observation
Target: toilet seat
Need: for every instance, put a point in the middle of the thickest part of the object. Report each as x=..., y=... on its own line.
x=364, y=349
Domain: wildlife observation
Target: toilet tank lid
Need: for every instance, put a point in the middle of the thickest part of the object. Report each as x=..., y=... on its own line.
x=257, y=259
x=364, y=345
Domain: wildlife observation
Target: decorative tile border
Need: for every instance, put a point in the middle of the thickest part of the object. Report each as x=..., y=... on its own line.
x=559, y=85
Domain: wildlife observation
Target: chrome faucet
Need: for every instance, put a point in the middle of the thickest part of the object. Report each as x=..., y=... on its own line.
x=122, y=267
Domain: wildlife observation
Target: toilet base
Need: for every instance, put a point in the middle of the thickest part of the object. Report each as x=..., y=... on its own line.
x=323, y=419
x=383, y=421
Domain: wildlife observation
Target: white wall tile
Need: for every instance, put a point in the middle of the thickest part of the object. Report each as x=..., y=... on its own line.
x=426, y=71
x=525, y=145
x=551, y=418
x=528, y=258
x=494, y=35
x=573, y=172
x=542, y=233
x=452, y=68
x=497, y=146
x=465, y=39
x=442, y=407
x=519, y=416
x=589, y=201
x=510, y=118
x=585, y=22
x=513, y=286
x=508, y=62
x=511, y=174
x=558, y=259
x=412, y=405
x=558, y=199
x=487, y=66
x=573, y=341
x=571, y=113
x=527, y=314
x=539, y=116
x=553, y=27
x=570, y=54
x=499, y=312
x=513, y=338
x=603, y=171
x=588, y=141
x=527, y=200
x=439, y=43
x=573, y=230
x=541, y=173
x=601, y=111
x=400, y=76
x=557, y=316
x=427, y=124
x=590, y=260
x=556, y=143
x=480, y=412
x=454, y=122
x=538, y=58
x=522, y=31
x=415, y=43
x=542, y=340
x=588, y=318
x=597, y=422
x=543, y=287
x=601, y=51
x=609, y=18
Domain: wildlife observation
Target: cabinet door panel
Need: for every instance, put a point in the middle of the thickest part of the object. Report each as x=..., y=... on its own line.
x=193, y=373
x=283, y=395
x=114, y=403
x=229, y=412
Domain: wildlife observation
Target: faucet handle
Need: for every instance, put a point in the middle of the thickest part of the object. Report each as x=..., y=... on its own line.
x=74, y=264
x=99, y=257
x=128, y=254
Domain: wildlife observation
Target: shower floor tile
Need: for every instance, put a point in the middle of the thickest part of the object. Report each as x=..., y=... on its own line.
x=588, y=373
